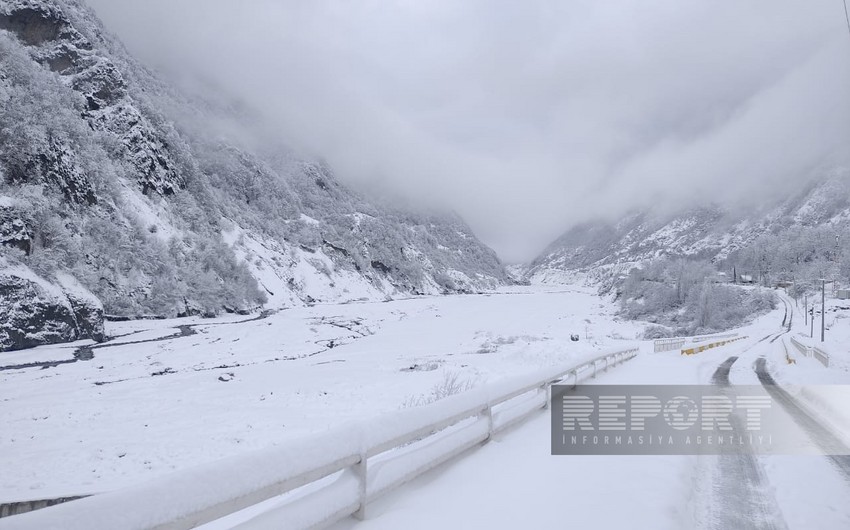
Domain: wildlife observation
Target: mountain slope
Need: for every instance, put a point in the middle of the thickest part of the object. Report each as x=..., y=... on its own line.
x=712, y=233
x=144, y=195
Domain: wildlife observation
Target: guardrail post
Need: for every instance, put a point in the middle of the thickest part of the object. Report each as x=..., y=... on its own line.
x=594, y=369
x=488, y=413
x=361, y=470
x=547, y=389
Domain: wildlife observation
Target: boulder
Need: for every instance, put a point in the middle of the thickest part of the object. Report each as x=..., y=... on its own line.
x=35, y=311
x=88, y=310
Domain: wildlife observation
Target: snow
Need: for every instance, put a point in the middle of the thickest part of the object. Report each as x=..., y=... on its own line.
x=291, y=393
x=75, y=289
x=148, y=214
x=201, y=488
x=291, y=276
x=358, y=218
x=22, y=271
x=514, y=482
x=122, y=425
x=309, y=220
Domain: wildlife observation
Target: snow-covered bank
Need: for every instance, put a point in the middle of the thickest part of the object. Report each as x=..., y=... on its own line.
x=147, y=408
x=233, y=386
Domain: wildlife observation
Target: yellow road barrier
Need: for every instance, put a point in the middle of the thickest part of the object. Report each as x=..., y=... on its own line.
x=700, y=349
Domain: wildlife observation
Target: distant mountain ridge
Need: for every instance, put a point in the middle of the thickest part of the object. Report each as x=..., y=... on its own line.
x=112, y=176
x=709, y=232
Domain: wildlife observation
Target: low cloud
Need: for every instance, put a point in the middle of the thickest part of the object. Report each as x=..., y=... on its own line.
x=526, y=117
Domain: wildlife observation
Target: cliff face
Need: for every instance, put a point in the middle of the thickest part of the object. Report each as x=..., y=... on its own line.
x=54, y=42
x=114, y=177
x=37, y=311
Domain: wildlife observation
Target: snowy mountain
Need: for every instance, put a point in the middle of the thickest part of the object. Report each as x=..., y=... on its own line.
x=145, y=197
x=713, y=233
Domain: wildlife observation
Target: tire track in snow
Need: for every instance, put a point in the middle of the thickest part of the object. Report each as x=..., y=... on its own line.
x=740, y=493
x=831, y=444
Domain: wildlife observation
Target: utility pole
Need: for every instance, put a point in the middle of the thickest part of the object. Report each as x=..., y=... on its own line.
x=837, y=266
x=812, y=322
x=822, y=309
x=806, y=308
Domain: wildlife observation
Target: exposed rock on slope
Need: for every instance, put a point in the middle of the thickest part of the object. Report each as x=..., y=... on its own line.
x=57, y=44
x=117, y=179
x=36, y=311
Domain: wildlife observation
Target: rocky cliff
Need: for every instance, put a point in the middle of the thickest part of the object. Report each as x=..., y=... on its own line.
x=113, y=177
x=37, y=311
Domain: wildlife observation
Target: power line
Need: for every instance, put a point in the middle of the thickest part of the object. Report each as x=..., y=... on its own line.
x=846, y=15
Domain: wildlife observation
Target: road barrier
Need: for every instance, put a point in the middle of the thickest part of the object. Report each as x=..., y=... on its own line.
x=704, y=338
x=662, y=345
x=676, y=343
x=709, y=346
x=330, y=476
x=802, y=348
x=812, y=352
x=821, y=356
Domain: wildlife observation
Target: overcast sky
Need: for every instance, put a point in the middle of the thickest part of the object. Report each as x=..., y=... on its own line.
x=527, y=116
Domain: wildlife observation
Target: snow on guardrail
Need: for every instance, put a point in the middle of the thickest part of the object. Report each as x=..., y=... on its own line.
x=812, y=352
x=344, y=468
x=675, y=343
x=704, y=338
x=662, y=345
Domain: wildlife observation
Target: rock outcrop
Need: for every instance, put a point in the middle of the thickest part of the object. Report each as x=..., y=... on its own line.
x=36, y=311
x=56, y=43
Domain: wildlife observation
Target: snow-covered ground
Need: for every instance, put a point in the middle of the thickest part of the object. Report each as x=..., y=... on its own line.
x=514, y=482
x=140, y=410
x=837, y=335
x=193, y=391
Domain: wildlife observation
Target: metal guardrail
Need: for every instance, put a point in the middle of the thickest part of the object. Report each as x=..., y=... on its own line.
x=812, y=352
x=821, y=356
x=675, y=343
x=802, y=348
x=345, y=469
x=662, y=345
x=704, y=338
x=711, y=345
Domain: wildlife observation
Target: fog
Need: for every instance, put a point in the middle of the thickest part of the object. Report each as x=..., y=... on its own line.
x=527, y=117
